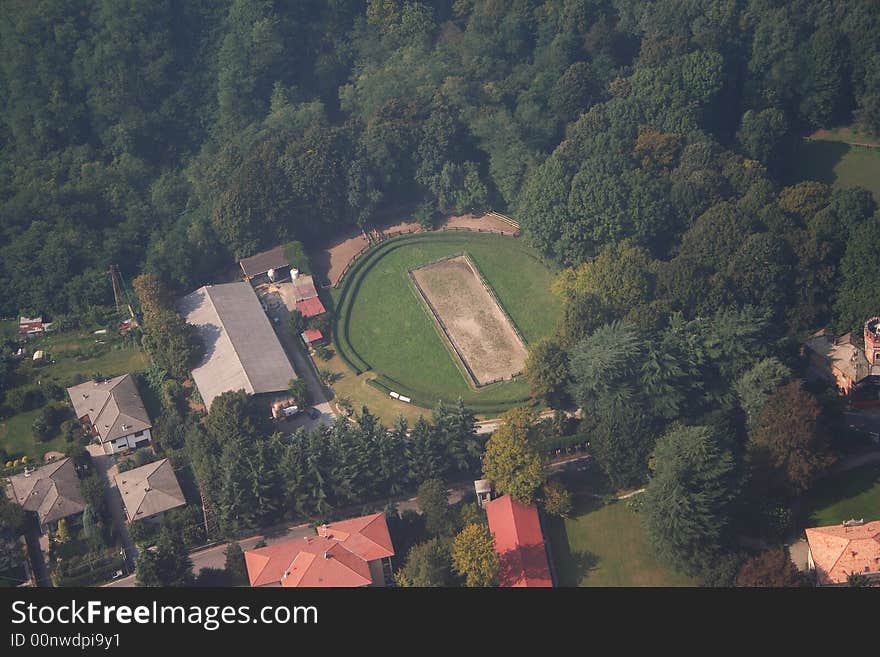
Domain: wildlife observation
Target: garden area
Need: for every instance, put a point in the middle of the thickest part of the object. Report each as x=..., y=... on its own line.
x=35, y=414
x=384, y=330
x=851, y=494
x=603, y=543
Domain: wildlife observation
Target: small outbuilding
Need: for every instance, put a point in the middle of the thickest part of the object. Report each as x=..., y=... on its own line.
x=30, y=325
x=267, y=266
x=312, y=337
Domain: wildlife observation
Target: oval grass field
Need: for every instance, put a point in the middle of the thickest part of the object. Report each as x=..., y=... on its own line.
x=382, y=326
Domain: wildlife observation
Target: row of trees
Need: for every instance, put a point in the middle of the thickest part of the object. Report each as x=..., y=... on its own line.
x=172, y=342
x=250, y=476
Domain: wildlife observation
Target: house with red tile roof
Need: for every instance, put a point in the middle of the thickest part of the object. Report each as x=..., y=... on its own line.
x=837, y=551
x=519, y=543
x=349, y=553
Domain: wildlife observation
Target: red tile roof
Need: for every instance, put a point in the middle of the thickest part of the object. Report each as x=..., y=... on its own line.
x=310, y=307
x=312, y=335
x=366, y=536
x=339, y=557
x=519, y=543
x=838, y=550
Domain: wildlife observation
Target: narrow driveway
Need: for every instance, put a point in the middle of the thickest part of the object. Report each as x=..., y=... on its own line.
x=32, y=537
x=106, y=467
x=279, y=314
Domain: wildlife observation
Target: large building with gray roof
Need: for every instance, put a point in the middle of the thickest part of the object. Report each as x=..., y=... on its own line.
x=241, y=350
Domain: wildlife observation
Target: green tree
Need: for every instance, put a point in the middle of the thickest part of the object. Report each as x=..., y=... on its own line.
x=546, y=370
x=63, y=533
x=235, y=564
x=556, y=499
x=474, y=556
x=511, y=459
x=166, y=565
x=428, y=564
x=433, y=500
x=621, y=444
x=688, y=501
x=299, y=390
x=759, y=384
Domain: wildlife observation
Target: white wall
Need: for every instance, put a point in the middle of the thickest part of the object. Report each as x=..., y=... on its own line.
x=126, y=442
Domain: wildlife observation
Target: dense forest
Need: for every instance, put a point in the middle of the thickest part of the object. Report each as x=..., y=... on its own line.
x=644, y=147
x=169, y=137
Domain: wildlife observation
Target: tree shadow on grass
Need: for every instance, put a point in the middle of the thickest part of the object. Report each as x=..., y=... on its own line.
x=835, y=489
x=816, y=160
x=570, y=566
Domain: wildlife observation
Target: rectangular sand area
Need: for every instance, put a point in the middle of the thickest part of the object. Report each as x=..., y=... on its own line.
x=478, y=328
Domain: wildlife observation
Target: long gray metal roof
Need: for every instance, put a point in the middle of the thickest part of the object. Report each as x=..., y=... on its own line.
x=242, y=351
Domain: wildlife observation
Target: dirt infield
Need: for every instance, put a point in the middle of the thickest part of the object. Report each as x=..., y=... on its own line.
x=468, y=314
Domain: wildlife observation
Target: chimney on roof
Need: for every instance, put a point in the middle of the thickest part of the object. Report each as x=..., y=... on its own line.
x=322, y=530
x=326, y=554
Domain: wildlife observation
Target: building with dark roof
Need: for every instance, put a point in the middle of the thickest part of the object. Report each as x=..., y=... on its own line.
x=113, y=412
x=519, y=543
x=51, y=492
x=268, y=265
x=349, y=553
x=241, y=350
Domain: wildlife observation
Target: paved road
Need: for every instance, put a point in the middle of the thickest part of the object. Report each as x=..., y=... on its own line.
x=866, y=421
x=215, y=557
x=489, y=426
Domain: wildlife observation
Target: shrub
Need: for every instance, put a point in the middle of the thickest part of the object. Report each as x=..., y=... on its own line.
x=52, y=390
x=25, y=399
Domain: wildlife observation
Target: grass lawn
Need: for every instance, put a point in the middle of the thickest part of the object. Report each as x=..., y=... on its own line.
x=16, y=436
x=838, y=164
x=852, y=494
x=605, y=545
x=382, y=320
x=355, y=387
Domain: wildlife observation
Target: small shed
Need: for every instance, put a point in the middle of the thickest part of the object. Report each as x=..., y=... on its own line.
x=311, y=337
x=30, y=325
x=269, y=265
x=310, y=307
